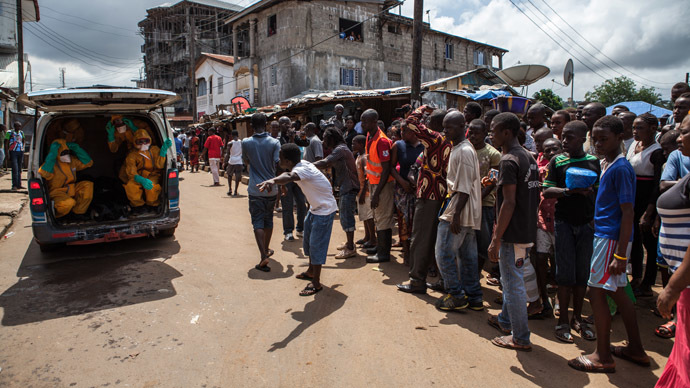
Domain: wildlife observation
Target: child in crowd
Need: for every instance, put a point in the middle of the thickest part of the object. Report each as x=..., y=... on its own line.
x=613, y=227
x=558, y=120
x=319, y=221
x=366, y=215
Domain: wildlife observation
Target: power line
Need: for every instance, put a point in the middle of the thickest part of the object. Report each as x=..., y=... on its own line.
x=601, y=52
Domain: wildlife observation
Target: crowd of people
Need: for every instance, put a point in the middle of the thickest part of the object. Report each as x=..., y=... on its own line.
x=577, y=202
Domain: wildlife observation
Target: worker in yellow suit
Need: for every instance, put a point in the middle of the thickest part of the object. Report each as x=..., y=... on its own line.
x=60, y=171
x=144, y=165
x=70, y=130
x=120, y=130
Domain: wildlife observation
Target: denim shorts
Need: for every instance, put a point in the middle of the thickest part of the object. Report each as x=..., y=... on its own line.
x=317, y=236
x=261, y=210
x=347, y=206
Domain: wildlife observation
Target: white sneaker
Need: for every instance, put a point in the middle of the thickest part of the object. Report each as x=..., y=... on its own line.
x=289, y=237
x=345, y=254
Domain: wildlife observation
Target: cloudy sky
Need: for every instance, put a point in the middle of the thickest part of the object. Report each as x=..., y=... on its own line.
x=97, y=41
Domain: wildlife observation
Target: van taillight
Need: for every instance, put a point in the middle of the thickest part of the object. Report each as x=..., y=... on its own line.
x=35, y=186
x=38, y=204
x=172, y=174
x=37, y=201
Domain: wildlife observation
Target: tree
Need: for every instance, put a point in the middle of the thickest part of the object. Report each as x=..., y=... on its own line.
x=549, y=98
x=621, y=89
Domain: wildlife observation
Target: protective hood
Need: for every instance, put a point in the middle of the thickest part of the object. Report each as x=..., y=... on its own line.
x=141, y=134
x=72, y=131
x=63, y=145
x=115, y=117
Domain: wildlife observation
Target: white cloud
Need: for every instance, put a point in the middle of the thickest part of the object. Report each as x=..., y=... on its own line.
x=637, y=34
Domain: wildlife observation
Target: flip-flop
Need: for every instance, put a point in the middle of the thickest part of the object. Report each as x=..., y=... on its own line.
x=304, y=276
x=562, y=333
x=584, y=364
x=493, y=282
x=619, y=351
x=309, y=290
x=501, y=342
x=493, y=322
x=264, y=268
x=667, y=330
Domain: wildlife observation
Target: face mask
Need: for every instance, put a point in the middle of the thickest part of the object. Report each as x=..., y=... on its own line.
x=65, y=159
x=121, y=129
x=144, y=147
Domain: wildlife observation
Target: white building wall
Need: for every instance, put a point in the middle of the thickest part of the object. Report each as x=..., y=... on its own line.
x=212, y=72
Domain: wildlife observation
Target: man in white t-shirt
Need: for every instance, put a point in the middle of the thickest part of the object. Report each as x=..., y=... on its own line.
x=233, y=162
x=460, y=217
x=319, y=221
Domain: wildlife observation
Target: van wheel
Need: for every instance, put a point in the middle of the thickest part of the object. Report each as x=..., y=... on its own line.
x=166, y=232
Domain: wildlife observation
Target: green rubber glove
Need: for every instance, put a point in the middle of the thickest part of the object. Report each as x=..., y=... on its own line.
x=110, y=128
x=51, y=158
x=130, y=124
x=145, y=183
x=81, y=154
x=164, y=148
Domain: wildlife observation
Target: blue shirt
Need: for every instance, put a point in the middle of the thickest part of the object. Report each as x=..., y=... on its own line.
x=178, y=145
x=261, y=152
x=16, y=141
x=677, y=166
x=616, y=187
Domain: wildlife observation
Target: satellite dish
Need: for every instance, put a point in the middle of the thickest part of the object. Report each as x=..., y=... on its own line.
x=568, y=72
x=523, y=75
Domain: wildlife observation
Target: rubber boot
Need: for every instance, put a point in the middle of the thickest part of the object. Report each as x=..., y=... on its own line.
x=383, y=254
x=372, y=251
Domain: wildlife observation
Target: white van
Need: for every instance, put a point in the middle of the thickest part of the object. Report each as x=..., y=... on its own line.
x=109, y=217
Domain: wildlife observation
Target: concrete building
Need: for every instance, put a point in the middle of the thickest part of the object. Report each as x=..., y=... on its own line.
x=215, y=83
x=174, y=38
x=9, y=74
x=296, y=45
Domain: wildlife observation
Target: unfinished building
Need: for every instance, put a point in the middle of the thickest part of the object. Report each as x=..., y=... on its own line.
x=174, y=37
x=298, y=45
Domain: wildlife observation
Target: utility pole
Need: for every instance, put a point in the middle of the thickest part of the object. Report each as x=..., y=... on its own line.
x=687, y=78
x=415, y=92
x=192, y=53
x=62, y=77
x=20, y=52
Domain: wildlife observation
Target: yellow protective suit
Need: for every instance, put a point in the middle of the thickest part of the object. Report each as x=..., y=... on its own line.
x=63, y=189
x=148, y=164
x=114, y=146
x=70, y=130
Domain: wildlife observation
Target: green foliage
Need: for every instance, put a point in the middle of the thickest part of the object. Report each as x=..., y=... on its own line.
x=621, y=89
x=549, y=98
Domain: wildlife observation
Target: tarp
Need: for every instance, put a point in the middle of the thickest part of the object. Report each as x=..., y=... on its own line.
x=639, y=107
x=482, y=94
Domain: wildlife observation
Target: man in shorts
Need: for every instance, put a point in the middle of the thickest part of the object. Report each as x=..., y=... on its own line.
x=233, y=162
x=613, y=228
x=261, y=153
x=319, y=221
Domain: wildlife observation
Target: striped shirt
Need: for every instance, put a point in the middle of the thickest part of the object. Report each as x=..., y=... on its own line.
x=674, y=209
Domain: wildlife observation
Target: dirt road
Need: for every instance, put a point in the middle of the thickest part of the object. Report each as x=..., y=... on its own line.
x=192, y=312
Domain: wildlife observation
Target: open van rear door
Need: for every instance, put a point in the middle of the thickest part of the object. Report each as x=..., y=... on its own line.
x=97, y=99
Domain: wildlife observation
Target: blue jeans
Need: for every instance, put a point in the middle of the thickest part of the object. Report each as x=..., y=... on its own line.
x=294, y=196
x=347, y=206
x=514, y=313
x=456, y=256
x=16, y=158
x=317, y=236
x=484, y=234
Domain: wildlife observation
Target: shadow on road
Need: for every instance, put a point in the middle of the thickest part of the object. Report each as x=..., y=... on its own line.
x=275, y=273
x=76, y=280
x=324, y=304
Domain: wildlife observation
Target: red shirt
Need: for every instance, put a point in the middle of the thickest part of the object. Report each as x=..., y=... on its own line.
x=213, y=145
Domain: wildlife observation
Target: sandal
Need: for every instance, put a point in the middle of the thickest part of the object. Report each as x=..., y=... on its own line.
x=493, y=282
x=360, y=241
x=563, y=333
x=667, y=330
x=584, y=364
x=584, y=330
x=304, y=276
x=619, y=351
x=493, y=322
x=264, y=268
x=503, y=342
x=589, y=320
x=309, y=290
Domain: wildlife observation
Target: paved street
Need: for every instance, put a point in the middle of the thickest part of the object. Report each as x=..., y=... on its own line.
x=191, y=311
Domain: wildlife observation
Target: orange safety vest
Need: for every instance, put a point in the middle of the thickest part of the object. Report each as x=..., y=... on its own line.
x=374, y=166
